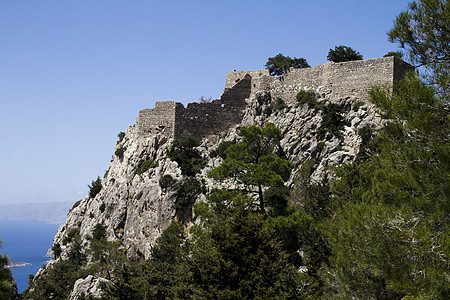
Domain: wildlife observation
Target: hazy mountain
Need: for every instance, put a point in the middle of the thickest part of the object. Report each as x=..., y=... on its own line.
x=47, y=212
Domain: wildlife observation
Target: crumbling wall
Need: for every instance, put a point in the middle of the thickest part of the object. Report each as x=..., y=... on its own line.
x=331, y=80
x=197, y=119
x=160, y=119
x=215, y=117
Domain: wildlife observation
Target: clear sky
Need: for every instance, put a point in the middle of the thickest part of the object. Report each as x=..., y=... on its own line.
x=73, y=74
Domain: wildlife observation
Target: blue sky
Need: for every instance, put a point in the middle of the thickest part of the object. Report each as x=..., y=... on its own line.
x=73, y=74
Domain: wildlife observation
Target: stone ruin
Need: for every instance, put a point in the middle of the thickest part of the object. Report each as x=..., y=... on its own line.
x=330, y=80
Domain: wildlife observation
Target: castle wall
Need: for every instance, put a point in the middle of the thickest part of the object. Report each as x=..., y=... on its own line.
x=330, y=80
x=160, y=119
x=215, y=117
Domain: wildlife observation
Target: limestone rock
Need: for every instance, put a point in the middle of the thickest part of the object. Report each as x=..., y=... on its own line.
x=89, y=286
x=135, y=209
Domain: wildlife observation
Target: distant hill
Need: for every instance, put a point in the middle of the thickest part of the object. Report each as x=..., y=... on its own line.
x=55, y=212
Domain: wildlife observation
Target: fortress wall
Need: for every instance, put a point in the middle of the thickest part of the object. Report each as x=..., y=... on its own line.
x=215, y=117
x=160, y=119
x=260, y=79
x=337, y=80
x=331, y=80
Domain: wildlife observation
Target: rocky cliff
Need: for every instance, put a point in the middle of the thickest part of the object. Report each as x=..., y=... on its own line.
x=135, y=209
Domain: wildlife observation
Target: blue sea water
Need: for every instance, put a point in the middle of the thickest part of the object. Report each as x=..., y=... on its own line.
x=26, y=241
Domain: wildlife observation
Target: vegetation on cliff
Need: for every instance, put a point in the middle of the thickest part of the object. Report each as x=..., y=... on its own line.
x=378, y=229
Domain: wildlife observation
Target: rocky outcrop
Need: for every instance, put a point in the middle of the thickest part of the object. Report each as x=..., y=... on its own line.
x=89, y=286
x=135, y=208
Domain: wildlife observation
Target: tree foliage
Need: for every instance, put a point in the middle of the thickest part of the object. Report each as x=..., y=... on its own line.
x=184, y=152
x=95, y=187
x=424, y=31
x=343, y=53
x=388, y=224
x=6, y=279
x=280, y=64
x=256, y=161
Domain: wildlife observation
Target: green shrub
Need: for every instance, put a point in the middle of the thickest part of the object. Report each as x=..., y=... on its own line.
x=357, y=105
x=320, y=146
x=119, y=151
x=121, y=135
x=95, y=187
x=343, y=53
x=102, y=207
x=332, y=120
x=184, y=152
x=186, y=191
x=138, y=195
x=75, y=205
x=99, y=232
x=145, y=165
x=308, y=97
x=277, y=104
x=166, y=182
x=73, y=233
x=221, y=149
x=56, y=249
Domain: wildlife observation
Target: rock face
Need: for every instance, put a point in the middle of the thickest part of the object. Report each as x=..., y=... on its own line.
x=89, y=286
x=135, y=209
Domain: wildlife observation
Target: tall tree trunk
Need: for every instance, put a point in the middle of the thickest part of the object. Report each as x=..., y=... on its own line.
x=261, y=200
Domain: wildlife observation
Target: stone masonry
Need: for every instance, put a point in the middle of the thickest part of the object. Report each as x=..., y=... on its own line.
x=331, y=80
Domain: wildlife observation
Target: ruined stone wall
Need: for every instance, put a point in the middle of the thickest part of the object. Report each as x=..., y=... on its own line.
x=330, y=80
x=198, y=119
x=215, y=117
x=160, y=119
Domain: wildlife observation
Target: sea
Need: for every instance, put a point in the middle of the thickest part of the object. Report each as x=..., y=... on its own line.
x=26, y=241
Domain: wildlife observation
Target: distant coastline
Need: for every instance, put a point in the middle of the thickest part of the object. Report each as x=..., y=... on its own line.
x=15, y=264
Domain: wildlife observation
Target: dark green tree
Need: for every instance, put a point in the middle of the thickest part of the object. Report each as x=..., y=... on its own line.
x=388, y=226
x=6, y=279
x=239, y=254
x=256, y=161
x=95, y=187
x=397, y=54
x=184, y=152
x=424, y=31
x=280, y=64
x=343, y=53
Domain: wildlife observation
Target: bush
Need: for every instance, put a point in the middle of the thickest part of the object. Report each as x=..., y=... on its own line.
x=102, y=207
x=184, y=152
x=343, y=53
x=396, y=55
x=139, y=195
x=279, y=64
x=75, y=205
x=121, y=135
x=166, y=182
x=186, y=191
x=357, y=105
x=119, y=151
x=332, y=120
x=308, y=97
x=73, y=233
x=145, y=165
x=99, y=232
x=56, y=249
x=95, y=187
x=221, y=149
x=277, y=104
